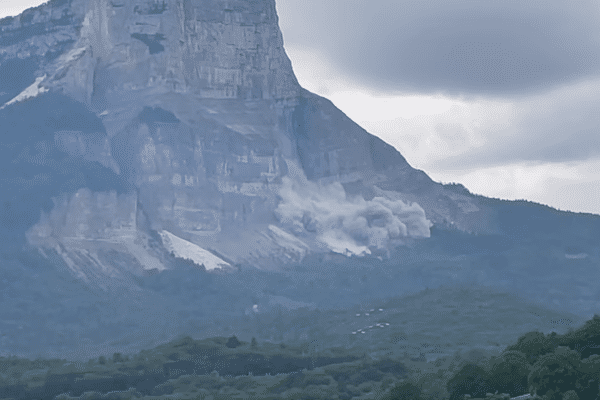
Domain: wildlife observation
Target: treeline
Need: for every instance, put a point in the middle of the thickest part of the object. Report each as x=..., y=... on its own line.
x=553, y=367
x=198, y=368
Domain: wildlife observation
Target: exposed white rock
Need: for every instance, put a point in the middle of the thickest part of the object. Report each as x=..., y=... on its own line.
x=291, y=244
x=289, y=303
x=578, y=256
x=198, y=101
x=129, y=55
x=32, y=91
x=183, y=249
x=146, y=259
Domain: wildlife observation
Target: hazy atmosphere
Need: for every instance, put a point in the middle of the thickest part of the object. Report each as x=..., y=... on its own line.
x=187, y=212
x=501, y=97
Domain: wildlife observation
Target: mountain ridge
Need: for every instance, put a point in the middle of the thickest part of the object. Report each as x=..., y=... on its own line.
x=109, y=62
x=149, y=136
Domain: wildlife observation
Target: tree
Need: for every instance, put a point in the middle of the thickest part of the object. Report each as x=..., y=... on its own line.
x=570, y=395
x=588, y=381
x=405, y=391
x=253, y=343
x=533, y=345
x=509, y=374
x=555, y=373
x=470, y=379
x=233, y=342
x=586, y=340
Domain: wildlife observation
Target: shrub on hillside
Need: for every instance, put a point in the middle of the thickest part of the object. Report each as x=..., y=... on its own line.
x=586, y=340
x=533, y=345
x=570, y=395
x=300, y=380
x=366, y=374
x=471, y=379
x=233, y=342
x=509, y=374
x=389, y=366
x=588, y=380
x=405, y=391
x=118, y=357
x=555, y=373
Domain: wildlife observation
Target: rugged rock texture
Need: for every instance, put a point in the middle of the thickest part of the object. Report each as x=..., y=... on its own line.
x=191, y=110
x=142, y=135
x=193, y=114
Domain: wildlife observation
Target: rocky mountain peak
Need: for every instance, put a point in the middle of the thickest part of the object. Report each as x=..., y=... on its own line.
x=159, y=162
x=190, y=137
x=208, y=49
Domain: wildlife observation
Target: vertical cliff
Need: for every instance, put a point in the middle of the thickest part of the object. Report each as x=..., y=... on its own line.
x=144, y=139
x=207, y=49
x=190, y=110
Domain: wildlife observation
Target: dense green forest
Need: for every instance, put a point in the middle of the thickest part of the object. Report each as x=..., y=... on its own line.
x=552, y=366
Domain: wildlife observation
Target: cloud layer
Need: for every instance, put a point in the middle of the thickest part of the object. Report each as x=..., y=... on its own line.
x=453, y=134
x=566, y=186
x=456, y=47
x=348, y=225
x=543, y=148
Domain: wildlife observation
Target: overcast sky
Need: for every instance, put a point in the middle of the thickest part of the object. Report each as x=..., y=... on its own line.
x=502, y=96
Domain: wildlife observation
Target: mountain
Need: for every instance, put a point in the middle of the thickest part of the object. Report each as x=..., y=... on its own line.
x=163, y=168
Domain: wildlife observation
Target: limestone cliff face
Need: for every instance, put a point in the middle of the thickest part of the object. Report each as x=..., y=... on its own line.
x=187, y=114
x=136, y=133
x=208, y=49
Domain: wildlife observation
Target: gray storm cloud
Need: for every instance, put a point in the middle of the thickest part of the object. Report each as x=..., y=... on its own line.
x=560, y=126
x=348, y=225
x=457, y=47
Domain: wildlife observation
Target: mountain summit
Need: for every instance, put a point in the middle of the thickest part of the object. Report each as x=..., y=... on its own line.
x=190, y=115
x=143, y=139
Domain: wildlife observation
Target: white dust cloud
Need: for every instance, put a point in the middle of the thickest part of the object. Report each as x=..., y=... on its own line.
x=351, y=226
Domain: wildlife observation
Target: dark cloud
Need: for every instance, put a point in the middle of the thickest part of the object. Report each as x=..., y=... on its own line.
x=455, y=47
x=561, y=126
x=535, y=148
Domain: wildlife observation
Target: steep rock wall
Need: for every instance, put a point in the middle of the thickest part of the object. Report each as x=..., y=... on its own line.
x=202, y=120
